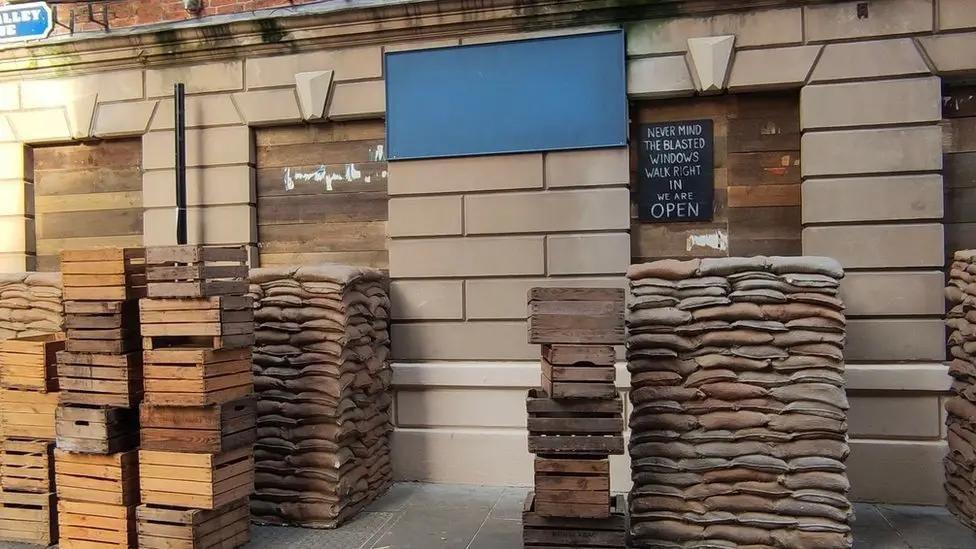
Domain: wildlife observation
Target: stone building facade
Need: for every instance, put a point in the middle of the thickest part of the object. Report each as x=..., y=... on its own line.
x=857, y=173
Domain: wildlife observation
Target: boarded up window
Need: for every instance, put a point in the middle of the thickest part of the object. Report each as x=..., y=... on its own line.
x=959, y=111
x=322, y=194
x=757, y=179
x=87, y=195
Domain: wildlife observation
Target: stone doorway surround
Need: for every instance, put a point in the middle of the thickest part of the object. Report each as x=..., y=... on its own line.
x=870, y=113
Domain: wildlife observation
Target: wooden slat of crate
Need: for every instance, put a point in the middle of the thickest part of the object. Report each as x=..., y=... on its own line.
x=574, y=426
x=568, y=355
x=28, y=518
x=27, y=466
x=195, y=481
x=99, y=379
x=187, y=271
x=29, y=362
x=103, y=255
x=96, y=525
x=211, y=429
x=28, y=414
x=163, y=528
x=572, y=487
x=109, y=479
x=578, y=381
x=564, y=532
x=196, y=377
x=114, y=347
x=194, y=253
x=576, y=315
x=97, y=430
x=169, y=273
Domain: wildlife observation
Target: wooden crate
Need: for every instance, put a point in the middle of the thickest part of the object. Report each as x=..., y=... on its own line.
x=578, y=380
x=222, y=322
x=196, y=271
x=165, y=528
x=110, y=479
x=571, y=532
x=195, y=481
x=86, y=525
x=27, y=466
x=28, y=518
x=28, y=414
x=196, y=377
x=101, y=379
x=103, y=274
x=576, y=315
x=97, y=429
x=572, y=487
x=211, y=429
x=569, y=355
x=29, y=362
x=574, y=426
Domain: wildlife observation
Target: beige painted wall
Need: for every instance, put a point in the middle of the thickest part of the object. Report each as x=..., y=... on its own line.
x=869, y=103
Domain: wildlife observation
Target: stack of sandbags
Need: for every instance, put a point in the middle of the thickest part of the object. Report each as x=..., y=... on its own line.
x=961, y=407
x=322, y=374
x=738, y=429
x=30, y=304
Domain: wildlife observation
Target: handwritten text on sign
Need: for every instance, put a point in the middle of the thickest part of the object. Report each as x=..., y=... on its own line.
x=676, y=171
x=25, y=21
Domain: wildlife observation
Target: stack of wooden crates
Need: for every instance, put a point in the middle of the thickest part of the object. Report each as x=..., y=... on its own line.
x=100, y=376
x=198, y=416
x=575, y=420
x=28, y=399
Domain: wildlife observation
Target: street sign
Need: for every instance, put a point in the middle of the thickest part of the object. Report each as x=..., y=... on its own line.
x=21, y=22
x=676, y=176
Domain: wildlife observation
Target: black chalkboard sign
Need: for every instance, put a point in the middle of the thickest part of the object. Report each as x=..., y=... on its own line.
x=676, y=171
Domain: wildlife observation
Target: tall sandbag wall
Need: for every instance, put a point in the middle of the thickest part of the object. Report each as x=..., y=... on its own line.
x=322, y=374
x=960, y=463
x=738, y=428
x=30, y=304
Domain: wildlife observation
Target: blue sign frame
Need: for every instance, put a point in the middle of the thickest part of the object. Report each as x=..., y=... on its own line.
x=21, y=22
x=541, y=94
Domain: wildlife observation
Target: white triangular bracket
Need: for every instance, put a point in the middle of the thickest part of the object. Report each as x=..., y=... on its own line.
x=710, y=58
x=313, y=93
x=81, y=115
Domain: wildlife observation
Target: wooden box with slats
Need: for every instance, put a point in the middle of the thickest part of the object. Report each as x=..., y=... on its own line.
x=579, y=371
x=576, y=315
x=546, y=532
x=100, y=379
x=109, y=479
x=28, y=518
x=196, y=377
x=196, y=481
x=226, y=527
x=212, y=429
x=29, y=363
x=28, y=414
x=97, y=429
x=87, y=525
x=103, y=274
x=572, y=487
x=196, y=271
x=222, y=322
x=588, y=426
x=27, y=466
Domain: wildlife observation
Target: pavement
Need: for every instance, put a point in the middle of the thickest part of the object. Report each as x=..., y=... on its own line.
x=428, y=516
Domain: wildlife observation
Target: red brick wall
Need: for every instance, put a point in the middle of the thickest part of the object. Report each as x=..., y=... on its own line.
x=131, y=13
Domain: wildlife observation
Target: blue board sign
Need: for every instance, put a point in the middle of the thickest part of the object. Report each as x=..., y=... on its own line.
x=25, y=22
x=543, y=94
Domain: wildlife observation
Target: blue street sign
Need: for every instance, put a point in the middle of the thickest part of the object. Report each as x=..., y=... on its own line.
x=25, y=22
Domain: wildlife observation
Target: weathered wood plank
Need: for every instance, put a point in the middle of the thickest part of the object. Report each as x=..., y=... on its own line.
x=321, y=133
x=764, y=195
x=89, y=223
x=323, y=237
x=959, y=170
x=379, y=259
x=88, y=202
x=779, y=131
x=959, y=102
x=115, y=152
x=764, y=168
x=322, y=179
x=339, y=152
x=365, y=206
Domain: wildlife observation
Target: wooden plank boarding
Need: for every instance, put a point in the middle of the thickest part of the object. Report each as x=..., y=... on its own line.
x=211, y=429
x=572, y=487
x=28, y=466
x=196, y=377
x=28, y=414
x=545, y=532
x=574, y=426
x=85, y=524
x=226, y=527
x=29, y=362
x=195, y=481
x=576, y=315
x=28, y=518
x=107, y=479
x=97, y=430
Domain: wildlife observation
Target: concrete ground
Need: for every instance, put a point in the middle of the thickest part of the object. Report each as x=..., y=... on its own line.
x=428, y=516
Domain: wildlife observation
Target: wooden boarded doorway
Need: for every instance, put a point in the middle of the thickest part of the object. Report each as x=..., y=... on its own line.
x=959, y=159
x=87, y=195
x=322, y=194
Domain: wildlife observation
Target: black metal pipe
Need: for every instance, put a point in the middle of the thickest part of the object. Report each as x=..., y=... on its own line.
x=180, y=109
